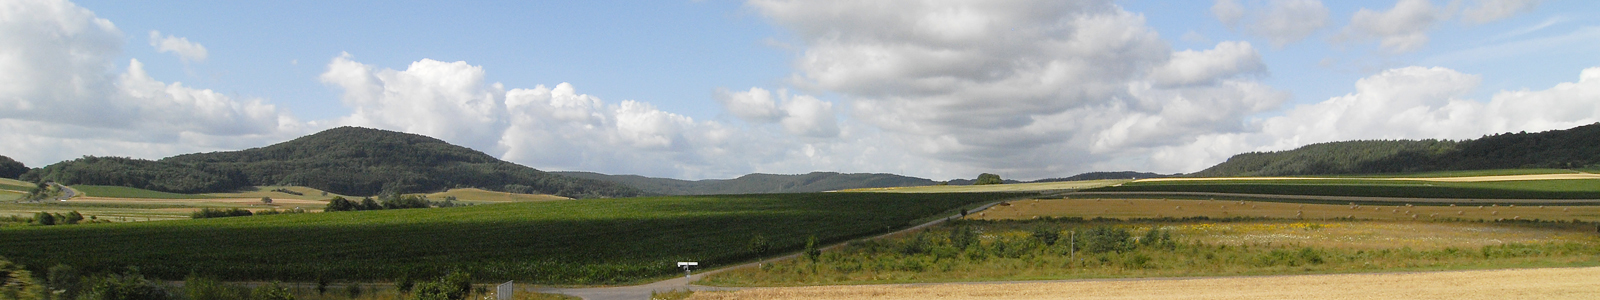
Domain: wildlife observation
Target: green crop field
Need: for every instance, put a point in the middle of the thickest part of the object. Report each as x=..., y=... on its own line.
x=597, y=241
x=1523, y=189
x=106, y=191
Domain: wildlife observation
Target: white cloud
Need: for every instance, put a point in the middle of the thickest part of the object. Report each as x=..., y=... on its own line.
x=433, y=98
x=1403, y=103
x=1030, y=89
x=1289, y=21
x=1403, y=28
x=755, y=105
x=810, y=117
x=1227, y=60
x=1229, y=12
x=188, y=51
x=64, y=97
x=1485, y=11
x=800, y=115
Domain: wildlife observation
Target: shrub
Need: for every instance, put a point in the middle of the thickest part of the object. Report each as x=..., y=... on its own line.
x=987, y=178
x=1046, y=235
x=128, y=286
x=207, y=288
x=811, y=249
x=45, y=218
x=759, y=245
x=220, y=213
x=271, y=291
x=339, y=204
x=62, y=280
x=454, y=286
x=1103, y=239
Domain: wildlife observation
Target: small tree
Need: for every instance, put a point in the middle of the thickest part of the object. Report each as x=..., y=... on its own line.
x=353, y=290
x=759, y=245
x=45, y=218
x=404, y=284
x=1046, y=236
x=987, y=178
x=62, y=280
x=811, y=249
x=322, y=285
x=266, y=200
x=73, y=217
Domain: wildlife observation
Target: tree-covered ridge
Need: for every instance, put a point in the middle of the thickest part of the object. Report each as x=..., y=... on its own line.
x=345, y=160
x=1578, y=147
x=10, y=168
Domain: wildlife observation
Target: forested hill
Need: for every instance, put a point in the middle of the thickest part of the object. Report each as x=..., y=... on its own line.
x=758, y=183
x=345, y=160
x=10, y=168
x=1578, y=147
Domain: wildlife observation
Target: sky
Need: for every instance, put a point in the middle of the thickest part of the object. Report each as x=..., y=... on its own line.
x=1027, y=89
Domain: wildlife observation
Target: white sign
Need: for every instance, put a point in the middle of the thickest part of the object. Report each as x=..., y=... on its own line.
x=682, y=264
x=504, y=291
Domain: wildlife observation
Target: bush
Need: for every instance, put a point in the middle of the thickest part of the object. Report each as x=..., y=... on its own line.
x=208, y=288
x=454, y=286
x=62, y=281
x=220, y=213
x=987, y=178
x=1046, y=235
x=1103, y=239
x=271, y=291
x=759, y=245
x=128, y=286
x=45, y=218
x=811, y=249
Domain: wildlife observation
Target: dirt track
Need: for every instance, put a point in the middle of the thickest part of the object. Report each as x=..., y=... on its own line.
x=1551, y=283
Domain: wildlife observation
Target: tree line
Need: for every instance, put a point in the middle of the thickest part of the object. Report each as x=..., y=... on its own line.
x=1578, y=147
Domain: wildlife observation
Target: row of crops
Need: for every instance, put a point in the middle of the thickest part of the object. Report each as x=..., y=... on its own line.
x=598, y=241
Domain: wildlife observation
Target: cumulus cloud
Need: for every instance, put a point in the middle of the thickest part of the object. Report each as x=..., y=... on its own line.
x=800, y=115
x=434, y=98
x=1485, y=11
x=188, y=51
x=1402, y=103
x=1229, y=12
x=59, y=82
x=1031, y=88
x=1227, y=60
x=1403, y=28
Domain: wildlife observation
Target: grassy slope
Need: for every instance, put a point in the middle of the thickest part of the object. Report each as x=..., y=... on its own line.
x=107, y=191
x=1527, y=189
x=562, y=242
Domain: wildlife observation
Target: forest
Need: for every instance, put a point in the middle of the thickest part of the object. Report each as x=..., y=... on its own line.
x=1578, y=147
x=345, y=160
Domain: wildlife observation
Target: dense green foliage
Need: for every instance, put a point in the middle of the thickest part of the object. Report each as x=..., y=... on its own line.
x=345, y=160
x=758, y=183
x=1578, y=147
x=987, y=178
x=208, y=212
x=1526, y=189
x=561, y=242
x=11, y=168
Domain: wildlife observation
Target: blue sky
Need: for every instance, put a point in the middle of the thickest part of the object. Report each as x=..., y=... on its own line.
x=716, y=89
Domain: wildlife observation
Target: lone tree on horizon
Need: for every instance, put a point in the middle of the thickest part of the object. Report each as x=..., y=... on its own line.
x=987, y=178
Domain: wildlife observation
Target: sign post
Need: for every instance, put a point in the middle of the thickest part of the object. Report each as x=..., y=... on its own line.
x=686, y=265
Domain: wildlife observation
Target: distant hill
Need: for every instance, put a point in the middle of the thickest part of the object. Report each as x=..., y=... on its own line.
x=1106, y=175
x=345, y=160
x=11, y=168
x=757, y=183
x=1578, y=147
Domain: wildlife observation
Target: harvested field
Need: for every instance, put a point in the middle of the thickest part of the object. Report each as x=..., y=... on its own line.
x=990, y=188
x=1159, y=208
x=1548, y=283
